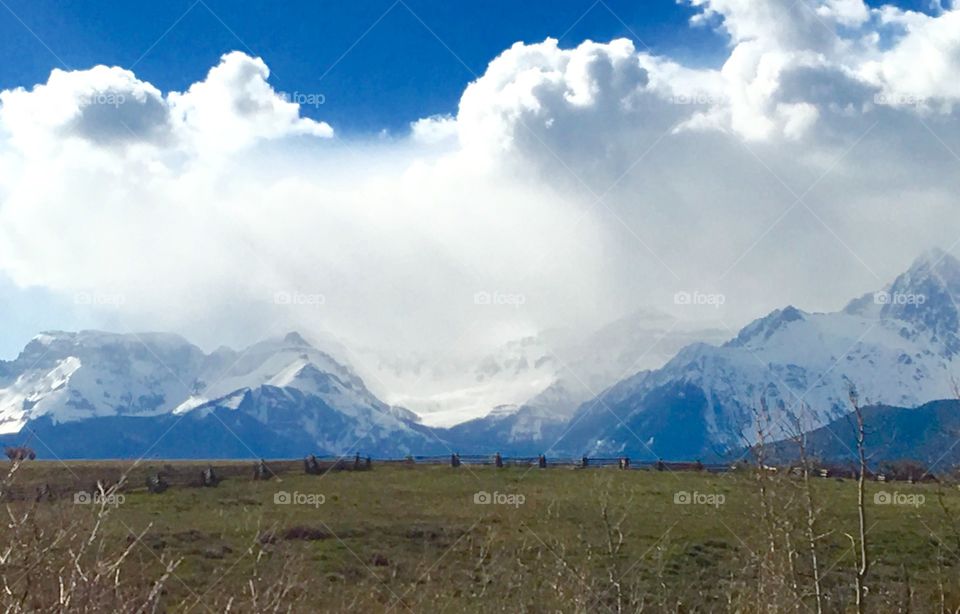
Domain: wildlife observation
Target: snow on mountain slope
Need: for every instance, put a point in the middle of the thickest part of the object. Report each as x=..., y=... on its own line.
x=288, y=362
x=26, y=392
x=285, y=384
x=72, y=376
x=897, y=347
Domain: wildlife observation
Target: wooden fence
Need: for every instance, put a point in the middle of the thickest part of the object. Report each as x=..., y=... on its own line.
x=50, y=480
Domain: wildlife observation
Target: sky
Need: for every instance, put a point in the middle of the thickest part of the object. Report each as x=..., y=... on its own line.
x=416, y=176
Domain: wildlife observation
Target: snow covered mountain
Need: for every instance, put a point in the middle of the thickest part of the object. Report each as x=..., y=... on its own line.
x=75, y=376
x=898, y=347
x=289, y=397
x=96, y=394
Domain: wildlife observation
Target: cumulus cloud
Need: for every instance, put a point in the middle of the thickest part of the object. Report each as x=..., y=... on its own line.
x=103, y=105
x=921, y=67
x=232, y=108
x=536, y=87
x=840, y=56
x=235, y=106
x=589, y=180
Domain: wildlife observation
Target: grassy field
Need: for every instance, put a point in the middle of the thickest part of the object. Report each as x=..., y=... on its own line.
x=437, y=539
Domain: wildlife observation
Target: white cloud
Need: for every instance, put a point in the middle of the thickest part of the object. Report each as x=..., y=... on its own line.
x=837, y=55
x=850, y=13
x=235, y=106
x=433, y=130
x=103, y=105
x=232, y=108
x=541, y=93
x=924, y=62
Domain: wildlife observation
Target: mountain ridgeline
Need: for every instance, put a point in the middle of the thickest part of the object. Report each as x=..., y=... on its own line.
x=95, y=394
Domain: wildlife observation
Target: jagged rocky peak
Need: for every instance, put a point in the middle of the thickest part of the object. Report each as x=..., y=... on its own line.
x=506, y=409
x=934, y=269
x=49, y=347
x=42, y=344
x=55, y=342
x=926, y=296
x=57, y=339
x=761, y=329
x=295, y=338
x=936, y=259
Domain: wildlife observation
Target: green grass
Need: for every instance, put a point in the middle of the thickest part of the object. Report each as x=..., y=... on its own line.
x=413, y=538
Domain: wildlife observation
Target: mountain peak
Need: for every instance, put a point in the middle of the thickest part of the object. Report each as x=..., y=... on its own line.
x=934, y=273
x=931, y=282
x=58, y=344
x=295, y=338
x=937, y=261
x=926, y=296
x=763, y=328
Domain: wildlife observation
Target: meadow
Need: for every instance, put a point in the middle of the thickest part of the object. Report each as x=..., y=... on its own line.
x=431, y=538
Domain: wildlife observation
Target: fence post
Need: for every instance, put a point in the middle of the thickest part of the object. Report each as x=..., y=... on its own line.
x=156, y=484
x=208, y=477
x=261, y=471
